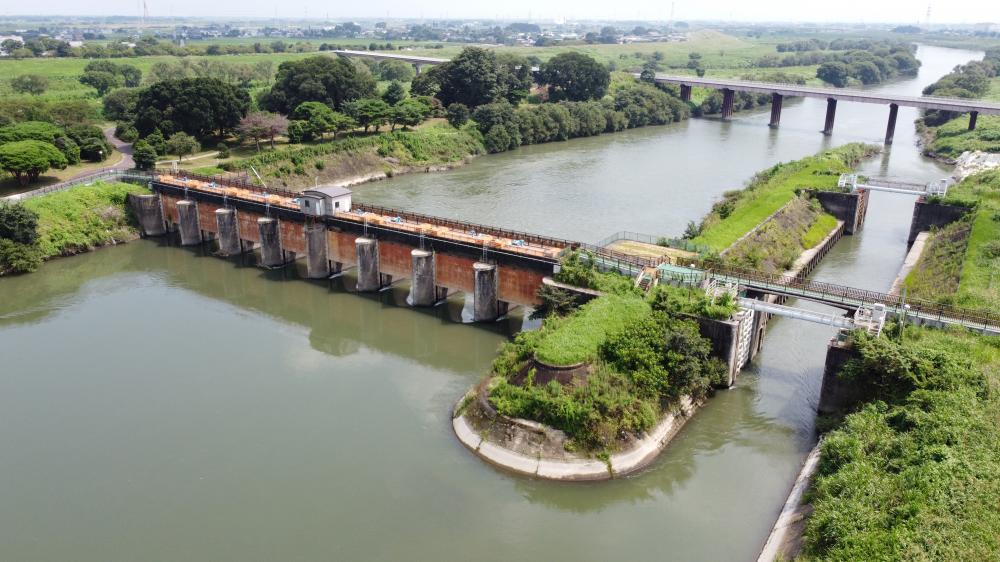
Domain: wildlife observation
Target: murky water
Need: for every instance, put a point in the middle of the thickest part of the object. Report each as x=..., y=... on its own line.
x=157, y=404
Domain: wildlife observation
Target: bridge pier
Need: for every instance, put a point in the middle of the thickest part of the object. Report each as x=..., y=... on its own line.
x=727, y=103
x=187, y=215
x=685, y=92
x=416, y=68
x=973, y=116
x=270, y=242
x=317, y=260
x=831, y=113
x=486, y=306
x=229, y=236
x=369, y=278
x=890, y=130
x=776, y=100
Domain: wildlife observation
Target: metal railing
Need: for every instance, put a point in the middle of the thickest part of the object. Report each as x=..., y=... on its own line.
x=96, y=175
x=675, y=243
x=831, y=293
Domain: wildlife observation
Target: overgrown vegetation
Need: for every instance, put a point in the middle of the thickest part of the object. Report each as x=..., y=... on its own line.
x=953, y=138
x=936, y=275
x=642, y=354
x=741, y=210
x=776, y=244
x=914, y=475
x=64, y=223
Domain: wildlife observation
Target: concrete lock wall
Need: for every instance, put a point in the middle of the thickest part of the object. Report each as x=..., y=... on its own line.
x=839, y=395
x=847, y=207
x=732, y=341
x=228, y=233
x=927, y=215
x=149, y=213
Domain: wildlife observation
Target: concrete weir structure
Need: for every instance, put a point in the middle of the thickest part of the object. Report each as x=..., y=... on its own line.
x=229, y=237
x=439, y=256
x=187, y=219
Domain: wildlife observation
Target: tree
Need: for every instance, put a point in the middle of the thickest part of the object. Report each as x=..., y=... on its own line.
x=395, y=70
x=196, y=106
x=865, y=71
x=477, y=76
x=368, y=112
x=276, y=125
x=394, y=93
x=835, y=73
x=332, y=81
x=156, y=140
x=144, y=155
x=27, y=159
x=575, y=77
x=458, y=114
x=408, y=113
x=100, y=81
x=262, y=125
x=18, y=223
x=30, y=130
x=319, y=117
x=119, y=105
x=342, y=122
x=94, y=147
x=182, y=144
x=29, y=84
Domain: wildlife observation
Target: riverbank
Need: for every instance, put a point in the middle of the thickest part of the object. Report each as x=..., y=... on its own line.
x=892, y=471
x=71, y=222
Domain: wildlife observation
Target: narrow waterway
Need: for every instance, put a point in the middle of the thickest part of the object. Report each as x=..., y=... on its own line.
x=158, y=404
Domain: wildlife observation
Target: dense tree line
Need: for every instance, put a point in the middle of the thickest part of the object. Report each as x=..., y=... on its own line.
x=870, y=65
x=196, y=106
x=970, y=80
x=835, y=45
x=505, y=127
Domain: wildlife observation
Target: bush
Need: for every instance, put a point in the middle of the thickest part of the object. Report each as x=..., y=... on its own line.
x=223, y=150
x=19, y=258
x=126, y=132
x=18, y=223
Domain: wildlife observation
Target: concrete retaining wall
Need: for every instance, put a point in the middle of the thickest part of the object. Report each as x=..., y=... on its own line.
x=848, y=207
x=839, y=395
x=927, y=215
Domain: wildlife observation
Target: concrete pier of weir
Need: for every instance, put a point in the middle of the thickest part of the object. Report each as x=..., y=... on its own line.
x=149, y=213
x=423, y=292
x=190, y=230
x=369, y=278
x=228, y=235
x=317, y=255
x=485, y=305
x=270, y=243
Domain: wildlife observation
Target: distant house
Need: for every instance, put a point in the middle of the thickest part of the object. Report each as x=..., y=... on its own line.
x=325, y=200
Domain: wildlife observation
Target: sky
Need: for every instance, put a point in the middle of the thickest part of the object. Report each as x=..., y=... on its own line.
x=867, y=11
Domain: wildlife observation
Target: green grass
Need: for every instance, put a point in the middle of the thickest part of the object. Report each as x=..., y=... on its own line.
x=994, y=93
x=915, y=476
x=576, y=338
x=83, y=217
x=954, y=137
x=770, y=190
x=819, y=230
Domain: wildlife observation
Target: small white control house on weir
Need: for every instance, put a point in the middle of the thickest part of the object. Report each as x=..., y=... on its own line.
x=325, y=200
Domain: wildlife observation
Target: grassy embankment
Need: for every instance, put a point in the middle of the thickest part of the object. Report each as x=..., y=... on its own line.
x=799, y=226
x=914, y=474
x=961, y=262
x=73, y=221
x=642, y=353
x=389, y=153
x=953, y=138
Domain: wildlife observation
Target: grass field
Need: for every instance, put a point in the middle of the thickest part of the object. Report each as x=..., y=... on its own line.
x=576, y=338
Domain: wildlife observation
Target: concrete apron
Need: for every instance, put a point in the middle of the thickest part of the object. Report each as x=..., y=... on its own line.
x=620, y=464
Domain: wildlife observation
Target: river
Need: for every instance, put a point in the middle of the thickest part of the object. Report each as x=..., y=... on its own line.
x=159, y=404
